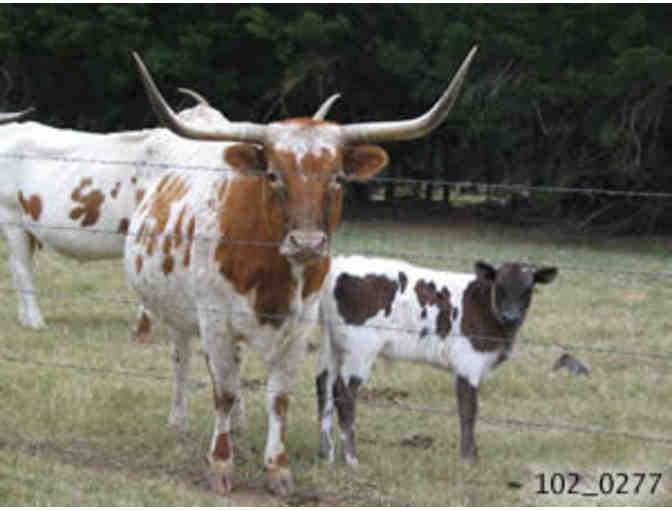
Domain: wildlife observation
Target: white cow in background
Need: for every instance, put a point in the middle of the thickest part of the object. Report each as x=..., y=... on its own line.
x=76, y=191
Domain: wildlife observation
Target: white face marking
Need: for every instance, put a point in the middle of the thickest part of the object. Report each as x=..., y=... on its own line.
x=303, y=140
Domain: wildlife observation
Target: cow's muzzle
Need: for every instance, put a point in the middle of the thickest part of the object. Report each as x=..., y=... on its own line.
x=305, y=245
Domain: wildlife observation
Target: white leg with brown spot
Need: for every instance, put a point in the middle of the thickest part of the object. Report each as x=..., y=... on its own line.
x=20, y=263
x=225, y=374
x=181, y=365
x=280, y=378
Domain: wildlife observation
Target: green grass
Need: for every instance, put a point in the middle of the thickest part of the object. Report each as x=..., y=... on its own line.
x=84, y=408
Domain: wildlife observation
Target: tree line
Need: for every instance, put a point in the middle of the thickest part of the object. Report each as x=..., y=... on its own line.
x=559, y=95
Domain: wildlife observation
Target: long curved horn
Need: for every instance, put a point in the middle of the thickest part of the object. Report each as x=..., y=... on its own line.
x=10, y=117
x=326, y=106
x=231, y=132
x=412, y=128
x=194, y=95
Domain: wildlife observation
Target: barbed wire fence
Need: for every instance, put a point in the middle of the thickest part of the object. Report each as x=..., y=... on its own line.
x=503, y=422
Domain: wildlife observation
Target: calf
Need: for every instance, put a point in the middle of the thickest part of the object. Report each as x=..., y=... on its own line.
x=462, y=322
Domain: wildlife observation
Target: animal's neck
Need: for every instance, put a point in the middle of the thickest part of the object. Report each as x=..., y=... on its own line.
x=479, y=322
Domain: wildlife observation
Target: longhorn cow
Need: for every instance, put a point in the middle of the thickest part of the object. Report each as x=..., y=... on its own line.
x=241, y=256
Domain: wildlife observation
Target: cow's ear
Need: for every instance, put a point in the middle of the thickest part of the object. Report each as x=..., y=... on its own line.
x=485, y=271
x=545, y=275
x=245, y=157
x=362, y=162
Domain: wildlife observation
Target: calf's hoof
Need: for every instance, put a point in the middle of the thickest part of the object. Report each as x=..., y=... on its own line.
x=326, y=450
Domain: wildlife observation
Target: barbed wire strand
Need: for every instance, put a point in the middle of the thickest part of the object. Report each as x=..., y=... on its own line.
x=492, y=421
x=167, y=166
x=408, y=255
x=666, y=356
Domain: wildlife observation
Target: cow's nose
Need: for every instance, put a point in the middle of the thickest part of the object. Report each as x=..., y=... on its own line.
x=305, y=244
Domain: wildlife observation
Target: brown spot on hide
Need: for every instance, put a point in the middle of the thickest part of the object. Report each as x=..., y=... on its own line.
x=134, y=180
x=167, y=242
x=403, y=281
x=123, y=226
x=428, y=296
x=140, y=234
x=224, y=402
x=281, y=460
x=171, y=188
x=115, y=191
x=222, y=449
x=255, y=263
x=144, y=328
x=321, y=386
x=190, y=240
x=280, y=406
x=167, y=265
x=359, y=299
x=138, y=263
x=314, y=275
x=32, y=206
x=35, y=243
x=90, y=203
x=139, y=195
x=478, y=320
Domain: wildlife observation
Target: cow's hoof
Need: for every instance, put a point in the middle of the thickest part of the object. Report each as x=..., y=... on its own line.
x=281, y=486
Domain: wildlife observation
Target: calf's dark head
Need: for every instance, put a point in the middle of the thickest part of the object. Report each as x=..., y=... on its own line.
x=511, y=289
x=302, y=162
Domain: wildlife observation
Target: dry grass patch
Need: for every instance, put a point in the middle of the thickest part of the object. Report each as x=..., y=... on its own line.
x=84, y=408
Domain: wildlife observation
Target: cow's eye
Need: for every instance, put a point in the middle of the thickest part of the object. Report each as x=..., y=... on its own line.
x=274, y=179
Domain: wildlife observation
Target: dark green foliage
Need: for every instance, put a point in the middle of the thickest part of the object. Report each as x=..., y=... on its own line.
x=559, y=95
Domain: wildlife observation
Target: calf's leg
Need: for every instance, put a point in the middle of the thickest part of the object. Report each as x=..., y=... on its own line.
x=344, y=399
x=467, y=405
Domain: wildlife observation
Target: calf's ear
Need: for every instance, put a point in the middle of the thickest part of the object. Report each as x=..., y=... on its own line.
x=545, y=275
x=245, y=157
x=485, y=271
x=362, y=162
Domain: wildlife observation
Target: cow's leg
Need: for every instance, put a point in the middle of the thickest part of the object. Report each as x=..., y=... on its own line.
x=467, y=405
x=143, y=326
x=224, y=368
x=238, y=417
x=21, y=247
x=181, y=364
x=280, y=377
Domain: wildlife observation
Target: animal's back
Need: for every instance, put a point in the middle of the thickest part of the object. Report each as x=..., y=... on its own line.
x=391, y=301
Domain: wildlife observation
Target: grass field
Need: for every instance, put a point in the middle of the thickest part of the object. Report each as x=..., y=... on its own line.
x=84, y=408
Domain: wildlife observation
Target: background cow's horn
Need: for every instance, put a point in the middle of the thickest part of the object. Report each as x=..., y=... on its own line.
x=10, y=117
x=412, y=128
x=194, y=95
x=232, y=131
x=326, y=106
